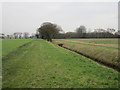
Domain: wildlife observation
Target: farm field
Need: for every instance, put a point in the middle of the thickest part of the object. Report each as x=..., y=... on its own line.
x=41, y=64
x=104, y=50
x=9, y=45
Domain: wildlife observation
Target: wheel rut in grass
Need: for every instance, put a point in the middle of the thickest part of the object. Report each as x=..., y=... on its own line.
x=10, y=53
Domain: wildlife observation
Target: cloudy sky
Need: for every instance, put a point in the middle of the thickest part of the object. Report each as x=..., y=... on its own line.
x=28, y=16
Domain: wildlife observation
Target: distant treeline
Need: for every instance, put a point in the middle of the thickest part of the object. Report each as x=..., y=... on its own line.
x=49, y=31
x=87, y=35
x=17, y=35
x=81, y=32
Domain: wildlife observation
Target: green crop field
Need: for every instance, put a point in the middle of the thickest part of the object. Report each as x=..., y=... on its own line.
x=9, y=45
x=104, y=50
x=41, y=64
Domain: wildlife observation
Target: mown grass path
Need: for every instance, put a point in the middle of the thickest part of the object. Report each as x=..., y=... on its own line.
x=41, y=64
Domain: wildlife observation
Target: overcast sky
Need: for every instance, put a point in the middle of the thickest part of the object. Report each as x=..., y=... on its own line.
x=27, y=17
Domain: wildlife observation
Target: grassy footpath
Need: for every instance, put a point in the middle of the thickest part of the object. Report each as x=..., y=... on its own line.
x=41, y=64
x=9, y=45
x=104, y=50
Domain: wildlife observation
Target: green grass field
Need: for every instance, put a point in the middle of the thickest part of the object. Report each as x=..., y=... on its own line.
x=9, y=45
x=105, y=50
x=98, y=41
x=41, y=64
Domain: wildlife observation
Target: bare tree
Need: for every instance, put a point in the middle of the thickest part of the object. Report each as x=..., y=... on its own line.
x=111, y=30
x=81, y=31
x=15, y=35
x=2, y=35
x=26, y=35
x=20, y=34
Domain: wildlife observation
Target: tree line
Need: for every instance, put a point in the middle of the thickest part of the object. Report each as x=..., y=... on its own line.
x=51, y=31
x=17, y=35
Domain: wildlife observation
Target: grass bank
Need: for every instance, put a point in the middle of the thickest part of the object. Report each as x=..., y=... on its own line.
x=102, y=50
x=41, y=64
